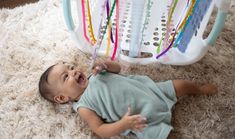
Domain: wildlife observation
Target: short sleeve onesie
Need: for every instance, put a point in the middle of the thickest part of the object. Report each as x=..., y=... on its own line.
x=110, y=95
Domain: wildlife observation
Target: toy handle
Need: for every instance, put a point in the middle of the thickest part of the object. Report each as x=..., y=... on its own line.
x=67, y=15
x=223, y=7
x=71, y=27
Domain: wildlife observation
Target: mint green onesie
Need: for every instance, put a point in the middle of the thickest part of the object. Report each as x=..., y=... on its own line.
x=110, y=95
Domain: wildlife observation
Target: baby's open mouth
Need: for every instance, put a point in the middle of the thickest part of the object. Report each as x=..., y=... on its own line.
x=80, y=79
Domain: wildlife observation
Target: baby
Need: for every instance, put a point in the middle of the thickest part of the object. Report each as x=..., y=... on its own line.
x=114, y=104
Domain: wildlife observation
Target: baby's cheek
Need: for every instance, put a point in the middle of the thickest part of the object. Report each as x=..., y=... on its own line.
x=72, y=83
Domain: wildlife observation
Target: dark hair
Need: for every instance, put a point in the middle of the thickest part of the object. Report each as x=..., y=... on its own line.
x=44, y=89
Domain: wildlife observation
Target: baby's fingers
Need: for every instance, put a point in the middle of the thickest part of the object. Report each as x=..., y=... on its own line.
x=140, y=127
x=139, y=119
x=97, y=70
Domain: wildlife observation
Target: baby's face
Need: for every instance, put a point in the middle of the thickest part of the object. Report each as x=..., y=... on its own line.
x=68, y=81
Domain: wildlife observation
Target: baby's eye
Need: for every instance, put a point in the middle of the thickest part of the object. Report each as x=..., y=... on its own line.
x=72, y=67
x=66, y=77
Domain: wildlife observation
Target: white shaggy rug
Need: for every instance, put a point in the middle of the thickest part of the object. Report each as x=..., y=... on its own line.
x=34, y=36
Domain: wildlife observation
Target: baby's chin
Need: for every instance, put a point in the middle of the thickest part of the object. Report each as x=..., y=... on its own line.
x=79, y=95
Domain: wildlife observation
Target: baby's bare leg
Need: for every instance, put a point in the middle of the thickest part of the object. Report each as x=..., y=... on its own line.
x=184, y=87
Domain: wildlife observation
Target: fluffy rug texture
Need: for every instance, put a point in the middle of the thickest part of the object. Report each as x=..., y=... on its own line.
x=34, y=36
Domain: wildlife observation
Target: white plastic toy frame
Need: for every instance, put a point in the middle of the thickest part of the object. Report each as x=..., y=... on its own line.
x=147, y=40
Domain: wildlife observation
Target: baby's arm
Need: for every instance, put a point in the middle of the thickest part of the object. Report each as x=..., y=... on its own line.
x=134, y=122
x=109, y=66
x=113, y=66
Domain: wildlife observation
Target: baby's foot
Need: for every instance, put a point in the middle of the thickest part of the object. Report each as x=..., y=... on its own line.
x=209, y=89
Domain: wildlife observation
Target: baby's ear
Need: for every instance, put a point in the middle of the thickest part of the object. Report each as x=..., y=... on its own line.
x=61, y=99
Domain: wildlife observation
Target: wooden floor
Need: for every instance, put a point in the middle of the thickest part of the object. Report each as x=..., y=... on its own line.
x=14, y=3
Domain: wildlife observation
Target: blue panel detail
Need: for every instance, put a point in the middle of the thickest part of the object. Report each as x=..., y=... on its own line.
x=199, y=11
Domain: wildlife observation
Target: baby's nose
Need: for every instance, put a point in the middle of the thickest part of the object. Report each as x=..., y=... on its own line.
x=74, y=72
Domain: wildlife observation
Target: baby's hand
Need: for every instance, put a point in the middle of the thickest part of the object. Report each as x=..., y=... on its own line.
x=134, y=122
x=99, y=67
